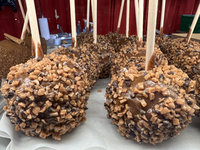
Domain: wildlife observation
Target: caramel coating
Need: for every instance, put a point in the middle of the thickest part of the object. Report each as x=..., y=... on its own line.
x=151, y=106
x=46, y=97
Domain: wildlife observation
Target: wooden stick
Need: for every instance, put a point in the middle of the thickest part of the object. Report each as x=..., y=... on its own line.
x=73, y=22
x=36, y=44
x=95, y=21
x=193, y=24
x=136, y=14
x=23, y=14
x=127, y=17
x=92, y=6
x=88, y=15
x=14, y=39
x=120, y=16
x=21, y=8
x=151, y=30
x=8, y=39
x=162, y=17
x=140, y=23
x=23, y=34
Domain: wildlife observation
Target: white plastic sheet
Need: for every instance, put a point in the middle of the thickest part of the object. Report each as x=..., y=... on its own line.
x=97, y=133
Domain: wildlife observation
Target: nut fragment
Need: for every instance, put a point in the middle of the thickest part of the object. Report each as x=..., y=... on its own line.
x=41, y=92
x=143, y=103
x=54, y=114
x=15, y=83
x=36, y=110
x=175, y=121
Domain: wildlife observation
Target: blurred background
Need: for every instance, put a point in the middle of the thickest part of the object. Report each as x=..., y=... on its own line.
x=177, y=16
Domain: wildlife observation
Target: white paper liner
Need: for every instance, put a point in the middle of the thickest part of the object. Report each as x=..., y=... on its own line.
x=97, y=133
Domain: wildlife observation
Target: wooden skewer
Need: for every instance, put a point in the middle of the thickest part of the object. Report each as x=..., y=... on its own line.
x=162, y=17
x=95, y=21
x=36, y=44
x=23, y=34
x=127, y=17
x=23, y=14
x=14, y=39
x=92, y=10
x=73, y=22
x=140, y=23
x=120, y=16
x=8, y=39
x=193, y=24
x=136, y=14
x=21, y=8
x=151, y=30
x=88, y=15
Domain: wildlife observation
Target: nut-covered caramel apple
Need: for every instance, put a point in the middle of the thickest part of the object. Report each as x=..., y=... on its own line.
x=46, y=96
x=135, y=55
x=151, y=106
x=185, y=56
